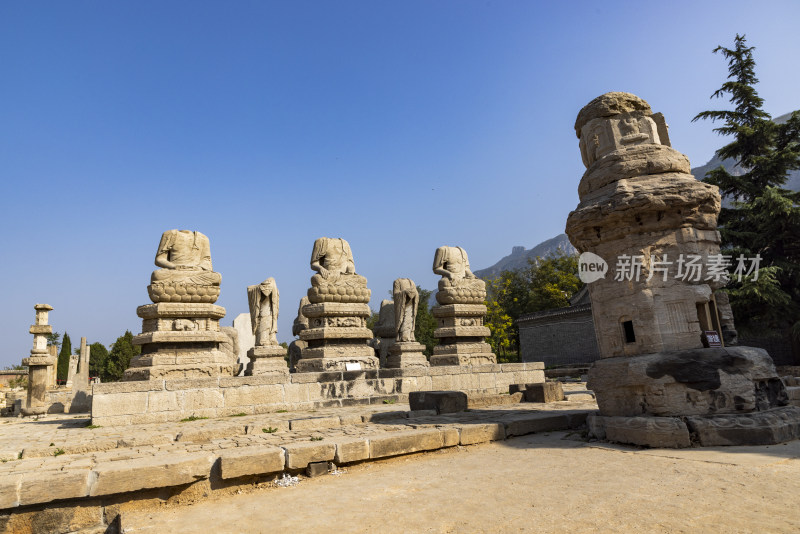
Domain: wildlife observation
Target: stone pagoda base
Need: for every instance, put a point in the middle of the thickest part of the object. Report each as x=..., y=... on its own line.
x=180, y=340
x=39, y=366
x=267, y=360
x=706, y=397
x=461, y=336
x=406, y=355
x=337, y=336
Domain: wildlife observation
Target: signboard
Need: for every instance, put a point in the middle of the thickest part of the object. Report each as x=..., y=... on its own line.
x=711, y=339
x=352, y=366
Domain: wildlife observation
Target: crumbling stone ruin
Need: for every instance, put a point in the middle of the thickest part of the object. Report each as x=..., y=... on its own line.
x=39, y=363
x=641, y=211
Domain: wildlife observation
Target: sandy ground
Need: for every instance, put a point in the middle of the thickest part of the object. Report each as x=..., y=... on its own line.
x=537, y=483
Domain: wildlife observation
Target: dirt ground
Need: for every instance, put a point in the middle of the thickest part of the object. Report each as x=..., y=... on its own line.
x=537, y=483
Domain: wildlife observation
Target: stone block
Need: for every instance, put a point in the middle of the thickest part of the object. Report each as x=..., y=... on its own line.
x=314, y=423
x=255, y=460
x=247, y=395
x=405, y=442
x=162, y=470
x=450, y=437
x=191, y=383
x=481, y=433
x=127, y=387
x=9, y=490
x=258, y=380
x=544, y=392
x=384, y=416
x=520, y=425
x=350, y=419
x=200, y=399
x=442, y=382
x=299, y=455
x=756, y=428
x=351, y=450
x=441, y=401
x=315, y=469
x=647, y=431
x=162, y=401
x=46, y=486
x=119, y=404
x=596, y=426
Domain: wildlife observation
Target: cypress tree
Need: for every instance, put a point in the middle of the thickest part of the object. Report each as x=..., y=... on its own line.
x=62, y=367
x=763, y=218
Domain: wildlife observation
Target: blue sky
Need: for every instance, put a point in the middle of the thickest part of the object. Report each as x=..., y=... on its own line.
x=400, y=126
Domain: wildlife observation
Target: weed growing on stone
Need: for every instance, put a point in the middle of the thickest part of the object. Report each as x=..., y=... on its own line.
x=281, y=411
x=316, y=438
x=269, y=430
x=58, y=452
x=52, y=445
x=389, y=401
x=19, y=455
x=192, y=418
x=90, y=426
x=240, y=414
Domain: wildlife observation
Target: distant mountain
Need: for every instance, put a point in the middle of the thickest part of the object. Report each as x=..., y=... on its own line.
x=519, y=256
x=792, y=182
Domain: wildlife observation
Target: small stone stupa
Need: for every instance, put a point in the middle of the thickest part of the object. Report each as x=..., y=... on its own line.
x=654, y=225
x=337, y=335
x=181, y=335
x=39, y=363
x=460, y=313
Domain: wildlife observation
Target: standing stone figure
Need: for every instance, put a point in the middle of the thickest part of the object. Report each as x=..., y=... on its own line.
x=405, y=352
x=642, y=212
x=460, y=312
x=263, y=300
x=181, y=335
x=337, y=336
x=406, y=303
x=267, y=357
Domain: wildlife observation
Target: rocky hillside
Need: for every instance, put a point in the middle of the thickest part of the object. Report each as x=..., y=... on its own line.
x=519, y=256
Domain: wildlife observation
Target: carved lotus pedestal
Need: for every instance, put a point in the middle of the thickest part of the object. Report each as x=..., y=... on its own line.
x=461, y=336
x=180, y=340
x=337, y=336
x=406, y=355
x=706, y=396
x=267, y=360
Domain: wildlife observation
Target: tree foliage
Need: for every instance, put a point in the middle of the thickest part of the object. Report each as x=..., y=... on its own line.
x=62, y=367
x=545, y=284
x=98, y=354
x=426, y=322
x=119, y=359
x=764, y=218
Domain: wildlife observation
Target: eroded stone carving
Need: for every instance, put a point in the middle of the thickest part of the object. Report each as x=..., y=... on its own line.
x=185, y=274
x=337, y=336
x=461, y=298
x=39, y=363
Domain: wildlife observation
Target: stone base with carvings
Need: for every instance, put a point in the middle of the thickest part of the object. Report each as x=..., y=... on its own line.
x=267, y=360
x=461, y=336
x=337, y=334
x=406, y=355
x=180, y=340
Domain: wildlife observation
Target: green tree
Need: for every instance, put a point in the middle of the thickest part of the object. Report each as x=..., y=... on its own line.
x=426, y=322
x=98, y=354
x=62, y=367
x=545, y=284
x=54, y=339
x=119, y=359
x=764, y=219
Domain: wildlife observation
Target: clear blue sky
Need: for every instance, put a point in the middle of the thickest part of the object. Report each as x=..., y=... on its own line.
x=400, y=126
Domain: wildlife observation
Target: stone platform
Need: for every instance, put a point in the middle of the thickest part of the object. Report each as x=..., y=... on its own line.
x=58, y=473
x=172, y=400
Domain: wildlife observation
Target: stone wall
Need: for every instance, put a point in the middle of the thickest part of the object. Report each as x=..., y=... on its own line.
x=151, y=401
x=558, y=337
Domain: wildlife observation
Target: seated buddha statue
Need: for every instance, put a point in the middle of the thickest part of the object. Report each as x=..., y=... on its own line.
x=184, y=258
x=458, y=285
x=335, y=279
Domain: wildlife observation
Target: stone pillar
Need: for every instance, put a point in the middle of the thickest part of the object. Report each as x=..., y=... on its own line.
x=337, y=335
x=460, y=313
x=405, y=352
x=51, y=371
x=247, y=340
x=80, y=382
x=39, y=363
x=181, y=335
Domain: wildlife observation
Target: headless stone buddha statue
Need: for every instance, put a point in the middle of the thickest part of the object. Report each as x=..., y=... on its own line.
x=335, y=279
x=264, y=300
x=406, y=303
x=185, y=274
x=458, y=285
